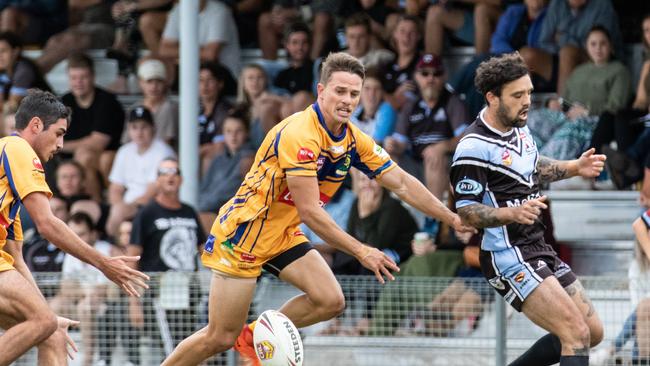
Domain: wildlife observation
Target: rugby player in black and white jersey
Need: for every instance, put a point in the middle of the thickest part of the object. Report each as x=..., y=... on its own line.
x=496, y=173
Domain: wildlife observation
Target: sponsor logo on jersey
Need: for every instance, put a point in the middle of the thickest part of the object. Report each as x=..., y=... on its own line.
x=226, y=246
x=379, y=151
x=265, y=350
x=37, y=164
x=506, y=158
x=541, y=264
x=496, y=283
x=343, y=170
x=285, y=197
x=298, y=233
x=336, y=149
x=518, y=202
x=209, y=244
x=247, y=257
x=225, y=262
x=320, y=162
x=304, y=154
x=469, y=186
x=520, y=277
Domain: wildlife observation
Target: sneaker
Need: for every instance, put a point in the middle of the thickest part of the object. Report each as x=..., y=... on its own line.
x=244, y=345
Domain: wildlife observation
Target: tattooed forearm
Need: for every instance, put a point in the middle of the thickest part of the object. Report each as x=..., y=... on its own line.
x=481, y=216
x=550, y=170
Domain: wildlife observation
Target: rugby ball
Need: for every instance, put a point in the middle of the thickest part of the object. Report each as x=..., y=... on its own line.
x=277, y=341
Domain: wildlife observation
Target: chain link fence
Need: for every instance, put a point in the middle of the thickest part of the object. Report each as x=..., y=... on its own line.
x=412, y=321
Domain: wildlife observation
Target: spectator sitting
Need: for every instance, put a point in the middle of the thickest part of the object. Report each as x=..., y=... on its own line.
x=152, y=78
x=70, y=182
x=95, y=29
x=8, y=126
x=35, y=20
x=564, y=32
x=431, y=125
x=214, y=109
x=227, y=170
x=96, y=124
x=218, y=37
x=17, y=73
x=374, y=115
x=471, y=21
x=519, y=26
x=602, y=85
x=83, y=287
x=398, y=82
x=39, y=254
x=133, y=176
x=264, y=106
x=637, y=322
x=358, y=34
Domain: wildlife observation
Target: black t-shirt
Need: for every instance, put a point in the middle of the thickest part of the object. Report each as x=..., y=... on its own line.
x=104, y=115
x=169, y=238
x=42, y=256
x=211, y=126
x=295, y=79
x=394, y=75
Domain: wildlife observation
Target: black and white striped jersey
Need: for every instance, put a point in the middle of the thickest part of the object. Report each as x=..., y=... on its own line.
x=498, y=170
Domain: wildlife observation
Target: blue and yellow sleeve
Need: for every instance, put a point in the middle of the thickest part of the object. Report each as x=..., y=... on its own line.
x=23, y=169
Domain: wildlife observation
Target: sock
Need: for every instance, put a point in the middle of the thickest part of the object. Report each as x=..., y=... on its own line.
x=546, y=351
x=574, y=361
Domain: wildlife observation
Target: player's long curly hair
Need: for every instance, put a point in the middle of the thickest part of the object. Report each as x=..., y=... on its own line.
x=493, y=74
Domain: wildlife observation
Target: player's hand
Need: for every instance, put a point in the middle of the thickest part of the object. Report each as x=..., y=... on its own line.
x=529, y=211
x=590, y=165
x=379, y=263
x=63, y=325
x=117, y=270
x=460, y=227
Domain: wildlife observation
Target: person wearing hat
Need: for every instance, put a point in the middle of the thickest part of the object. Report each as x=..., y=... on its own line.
x=430, y=125
x=133, y=176
x=153, y=81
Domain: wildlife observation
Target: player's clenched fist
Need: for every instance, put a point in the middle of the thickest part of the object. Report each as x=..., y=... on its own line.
x=378, y=262
x=529, y=211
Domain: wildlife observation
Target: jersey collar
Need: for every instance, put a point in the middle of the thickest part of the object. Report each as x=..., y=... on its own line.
x=321, y=120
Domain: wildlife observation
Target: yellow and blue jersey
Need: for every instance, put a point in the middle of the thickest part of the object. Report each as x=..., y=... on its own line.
x=21, y=173
x=261, y=221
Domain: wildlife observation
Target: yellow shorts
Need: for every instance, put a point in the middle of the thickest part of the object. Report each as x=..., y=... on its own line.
x=246, y=258
x=6, y=261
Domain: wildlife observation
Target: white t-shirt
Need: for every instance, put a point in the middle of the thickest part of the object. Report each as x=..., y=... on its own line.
x=75, y=269
x=136, y=171
x=639, y=283
x=216, y=24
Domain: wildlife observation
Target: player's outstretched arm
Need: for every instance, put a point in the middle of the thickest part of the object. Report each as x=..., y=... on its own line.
x=588, y=165
x=411, y=191
x=57, y=232
x=482, y=216
x=305, y=194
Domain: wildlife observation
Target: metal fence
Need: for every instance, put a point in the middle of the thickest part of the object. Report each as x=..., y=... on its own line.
x=412, y=321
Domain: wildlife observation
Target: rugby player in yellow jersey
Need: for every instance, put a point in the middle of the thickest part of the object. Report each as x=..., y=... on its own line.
x=299, y=166
x=41, y=122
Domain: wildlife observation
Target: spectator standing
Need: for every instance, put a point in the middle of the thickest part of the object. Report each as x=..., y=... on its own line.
x=167, y=234
x=398, y=82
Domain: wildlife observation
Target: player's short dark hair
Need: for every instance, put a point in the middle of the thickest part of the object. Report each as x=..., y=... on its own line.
x=80, y=60
x=41, y=104
x=341, y=61
x=82, y=218
x=493, y=74
x=359, y=19
x=296, y=27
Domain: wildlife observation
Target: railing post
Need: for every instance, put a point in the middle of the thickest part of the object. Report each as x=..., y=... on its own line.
x=500, y=347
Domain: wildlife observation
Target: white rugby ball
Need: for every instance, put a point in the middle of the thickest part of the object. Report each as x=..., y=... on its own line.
x=277, y=341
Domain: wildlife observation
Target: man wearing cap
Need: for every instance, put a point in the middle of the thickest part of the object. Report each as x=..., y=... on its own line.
x=152, y=77
x=133, y=176
x=430, y=125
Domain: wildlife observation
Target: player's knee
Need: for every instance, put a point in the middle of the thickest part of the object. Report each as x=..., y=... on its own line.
x=335, y=305
x=46, y=325
x=596, y=334
x=578, y=334
x=643, y=310
x=220, y=342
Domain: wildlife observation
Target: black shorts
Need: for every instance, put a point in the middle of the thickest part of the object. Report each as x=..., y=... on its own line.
x=517, y=271
x=279, y=262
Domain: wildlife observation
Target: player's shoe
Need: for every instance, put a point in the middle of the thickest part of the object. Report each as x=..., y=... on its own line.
x=245, y=346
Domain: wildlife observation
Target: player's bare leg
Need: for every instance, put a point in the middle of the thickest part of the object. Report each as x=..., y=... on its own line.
x=25, y=313
x=322, y=299
x=551, y=307
x=230, y=299
x=582, y=301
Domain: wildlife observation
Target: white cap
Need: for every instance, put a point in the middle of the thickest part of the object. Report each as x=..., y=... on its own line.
x=152, y=69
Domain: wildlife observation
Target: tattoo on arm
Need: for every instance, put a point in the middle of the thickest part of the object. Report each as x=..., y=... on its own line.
x=550, y=170
x=481, y=216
